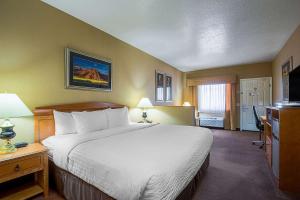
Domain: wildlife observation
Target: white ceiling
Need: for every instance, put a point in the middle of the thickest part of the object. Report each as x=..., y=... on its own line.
x=194, y=34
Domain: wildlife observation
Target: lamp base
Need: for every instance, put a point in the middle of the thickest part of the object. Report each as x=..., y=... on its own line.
x=145, y=120
x=6, y=134
x=7, y=148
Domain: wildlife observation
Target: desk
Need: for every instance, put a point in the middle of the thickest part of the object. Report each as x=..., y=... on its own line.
x=267, y=139
x=263, y=118
x=282, y=146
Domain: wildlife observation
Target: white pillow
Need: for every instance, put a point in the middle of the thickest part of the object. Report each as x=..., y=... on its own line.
x=49, y=142
x=64, y=123
x=117, y=117
x=86, y=122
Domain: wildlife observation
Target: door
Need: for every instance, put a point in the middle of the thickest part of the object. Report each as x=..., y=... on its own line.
x=254, y=92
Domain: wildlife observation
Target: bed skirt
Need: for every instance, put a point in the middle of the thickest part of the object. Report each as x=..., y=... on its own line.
x=73, y=188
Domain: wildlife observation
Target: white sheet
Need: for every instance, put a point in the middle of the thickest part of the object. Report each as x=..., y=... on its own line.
x=140, y=161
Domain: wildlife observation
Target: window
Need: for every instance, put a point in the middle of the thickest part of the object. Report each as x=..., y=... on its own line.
x=211, y=98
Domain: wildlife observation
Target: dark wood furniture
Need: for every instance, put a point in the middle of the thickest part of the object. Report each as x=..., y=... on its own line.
x=282, y=139
x=63, y=181
x=32, y=159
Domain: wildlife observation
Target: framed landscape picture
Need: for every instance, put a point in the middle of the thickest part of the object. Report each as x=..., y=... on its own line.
x=87, y=72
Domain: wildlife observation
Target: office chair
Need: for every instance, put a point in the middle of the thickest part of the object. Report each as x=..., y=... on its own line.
x=260, y=127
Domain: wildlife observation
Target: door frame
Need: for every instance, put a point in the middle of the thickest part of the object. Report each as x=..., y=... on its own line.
x=271, y=95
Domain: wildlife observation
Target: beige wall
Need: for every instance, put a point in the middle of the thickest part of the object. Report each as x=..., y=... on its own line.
x=241, y=72
x=167, y=115
x=33, y=37
x=291, y=48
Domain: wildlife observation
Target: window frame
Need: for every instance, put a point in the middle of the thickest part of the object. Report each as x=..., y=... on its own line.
x=209, y=110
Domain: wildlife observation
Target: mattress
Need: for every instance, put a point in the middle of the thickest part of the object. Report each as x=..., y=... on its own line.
x=142, y=161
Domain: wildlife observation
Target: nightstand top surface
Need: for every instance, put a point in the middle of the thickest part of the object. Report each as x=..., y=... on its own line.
x=24, y=151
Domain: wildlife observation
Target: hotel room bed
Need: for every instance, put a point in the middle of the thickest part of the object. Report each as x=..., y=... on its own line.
x=138, y=161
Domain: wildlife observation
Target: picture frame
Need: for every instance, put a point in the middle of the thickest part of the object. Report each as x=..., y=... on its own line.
x=163, y=87
x=87, y=72
x=287, y=67
x=159, y=86
x=168, y=88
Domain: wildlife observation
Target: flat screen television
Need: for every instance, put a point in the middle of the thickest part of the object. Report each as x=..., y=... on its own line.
x=294, y=85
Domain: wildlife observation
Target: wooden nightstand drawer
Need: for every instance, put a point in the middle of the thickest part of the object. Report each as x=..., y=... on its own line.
x=32, y=159
x=21, y=167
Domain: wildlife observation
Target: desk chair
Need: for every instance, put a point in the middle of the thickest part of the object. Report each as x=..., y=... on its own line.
x=260, y=127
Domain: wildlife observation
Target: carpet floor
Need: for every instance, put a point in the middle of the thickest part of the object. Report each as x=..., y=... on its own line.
x=238, y=171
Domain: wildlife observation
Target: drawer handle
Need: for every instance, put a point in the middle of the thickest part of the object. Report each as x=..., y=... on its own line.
x=17, y=168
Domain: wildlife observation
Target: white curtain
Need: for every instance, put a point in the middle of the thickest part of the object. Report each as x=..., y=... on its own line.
x=211, y=98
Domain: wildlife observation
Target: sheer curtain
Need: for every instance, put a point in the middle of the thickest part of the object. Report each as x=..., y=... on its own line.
x=212, y=98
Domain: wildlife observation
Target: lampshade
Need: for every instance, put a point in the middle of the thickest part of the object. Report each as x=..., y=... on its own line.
x=186, y=103
x=145, y=103
x=12, y=106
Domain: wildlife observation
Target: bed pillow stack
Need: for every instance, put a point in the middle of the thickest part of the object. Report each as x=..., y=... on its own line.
x=86, y=122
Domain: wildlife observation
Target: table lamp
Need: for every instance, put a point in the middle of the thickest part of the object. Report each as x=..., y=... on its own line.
x=186, y=103
x=145, y=103
x=11, y=106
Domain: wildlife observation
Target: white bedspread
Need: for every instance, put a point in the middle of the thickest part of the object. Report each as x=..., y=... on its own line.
x=141, y=161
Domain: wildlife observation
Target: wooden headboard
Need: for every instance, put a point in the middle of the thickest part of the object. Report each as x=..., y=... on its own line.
x=44, y=125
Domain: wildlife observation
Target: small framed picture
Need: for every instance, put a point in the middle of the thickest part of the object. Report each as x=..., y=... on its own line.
x=163, y=87
x=87, y=72
x=168, y=88
x=159, y=86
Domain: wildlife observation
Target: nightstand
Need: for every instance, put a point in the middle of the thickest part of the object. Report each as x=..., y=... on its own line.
x=147, y=122
x=32, y=159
